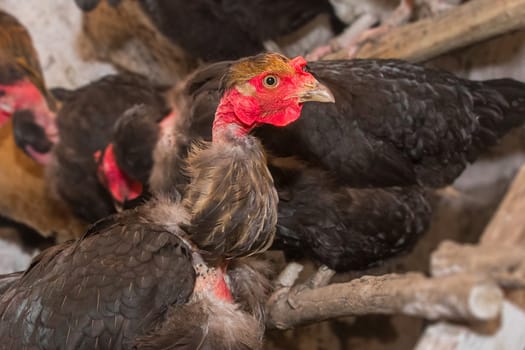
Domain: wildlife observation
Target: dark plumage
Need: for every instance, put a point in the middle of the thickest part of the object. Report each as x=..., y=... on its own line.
x=122, y=285
x=342, y=227
x=244, y=25
x=136, y=158
x=85, y=123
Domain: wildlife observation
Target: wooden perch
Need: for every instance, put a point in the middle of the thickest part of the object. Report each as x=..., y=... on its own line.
x=501, y=252
x=500, y=256
x=24, y=196
x=508, y=225
x=467, y=24
x=462, y=296
x=505, y=264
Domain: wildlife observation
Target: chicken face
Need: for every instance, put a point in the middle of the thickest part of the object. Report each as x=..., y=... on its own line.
x=271, y=89
x=23, y=96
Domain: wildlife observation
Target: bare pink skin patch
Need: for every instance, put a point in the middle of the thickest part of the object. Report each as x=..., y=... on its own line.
x=168, y=122
x=118, y=183
x=210, y=279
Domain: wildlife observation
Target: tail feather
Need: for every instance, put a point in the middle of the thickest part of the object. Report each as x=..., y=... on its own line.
x=511, y=105
x=500, y=106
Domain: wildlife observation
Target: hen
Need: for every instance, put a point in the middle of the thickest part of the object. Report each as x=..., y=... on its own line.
x=393, y=123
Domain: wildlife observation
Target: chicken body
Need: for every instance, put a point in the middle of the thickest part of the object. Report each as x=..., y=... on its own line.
x=340, y=226
x=117, y=287
x=85, y=123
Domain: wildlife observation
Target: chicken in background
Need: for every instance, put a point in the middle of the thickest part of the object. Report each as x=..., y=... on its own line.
x=85, y=123
x=184, y=279
x=24, y=194
x=160, y=39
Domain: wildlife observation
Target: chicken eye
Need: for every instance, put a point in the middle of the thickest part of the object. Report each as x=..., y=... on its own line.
x=270, y=81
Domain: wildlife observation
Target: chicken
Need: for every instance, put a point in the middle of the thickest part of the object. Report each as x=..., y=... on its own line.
x=23, y=192
x=160, y=39
x=124, y=166
x=85, y=123
x=22, y=86
x=393, y=123
x=156, y=275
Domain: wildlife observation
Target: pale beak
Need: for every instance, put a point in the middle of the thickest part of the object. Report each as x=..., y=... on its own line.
x=315, y=92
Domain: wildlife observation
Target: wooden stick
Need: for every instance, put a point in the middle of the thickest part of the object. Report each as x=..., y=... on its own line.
x=501, y=252
x=505, y=264
x=461, y=296
x=464, y=25
x=508, y=225
x=501, y=257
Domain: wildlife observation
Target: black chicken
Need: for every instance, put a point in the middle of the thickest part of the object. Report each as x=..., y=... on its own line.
x=137, y=279
x=85, y=123
x=243, y=25
x=393, y=123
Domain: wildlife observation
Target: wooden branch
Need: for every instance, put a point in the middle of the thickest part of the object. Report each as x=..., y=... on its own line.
x=289, y=275
x=501, y=257
x=508, y=225
x=501, y=253
x=24, y=196
x=464, y=25
x=462, y=296
x=445, y=336
x=505, y=264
